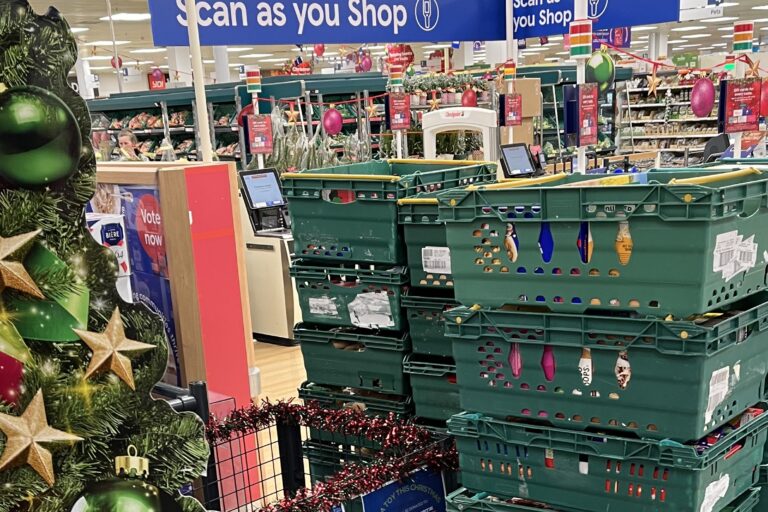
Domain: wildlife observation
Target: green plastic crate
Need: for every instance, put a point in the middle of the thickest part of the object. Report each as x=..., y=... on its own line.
x=428, y=255
x=327, y=460
x=692, y=246
x=433, y=383
x=687, y=378
x=374, y=404
x=602, y=473
x=351, y=295
x=762, y=484
x=466, y=501
x=355, y=358
x=425, y=310
x=350, y=212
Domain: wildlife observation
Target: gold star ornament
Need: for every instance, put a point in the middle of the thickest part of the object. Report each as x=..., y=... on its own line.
x=25, y=434
x=12, y=273
x=754, y=69
x=292, y=114
x=653, y=83
x=109, y=349
x=372, y=110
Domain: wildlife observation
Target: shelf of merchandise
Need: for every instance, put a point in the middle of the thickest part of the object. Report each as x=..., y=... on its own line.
x=635, y=98
x=553, y=78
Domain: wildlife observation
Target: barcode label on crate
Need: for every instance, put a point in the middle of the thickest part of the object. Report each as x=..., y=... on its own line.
x=436, y=260
x=734, y=254
x=718, y=390
x=323, y=306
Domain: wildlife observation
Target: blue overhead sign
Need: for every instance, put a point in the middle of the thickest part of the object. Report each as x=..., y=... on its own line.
x=536, y=18
x=265, y=22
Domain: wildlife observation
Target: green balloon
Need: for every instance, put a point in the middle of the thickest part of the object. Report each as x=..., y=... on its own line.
x=125, y=496
x=601, y=70
x=40, y=140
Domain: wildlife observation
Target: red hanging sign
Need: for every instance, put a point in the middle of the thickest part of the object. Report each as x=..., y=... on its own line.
x=401, y=55
x=399, y=111
x=155, y=83
x=742, y=107
x=260, y=134
x=588, y=114
x=513, y=110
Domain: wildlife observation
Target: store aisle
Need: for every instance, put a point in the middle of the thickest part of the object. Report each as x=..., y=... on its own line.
x=282, y=371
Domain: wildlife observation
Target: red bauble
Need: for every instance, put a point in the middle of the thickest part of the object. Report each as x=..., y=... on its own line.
x=117, y=64
x=469, y=98
x=366, y=63
x=157, y=74
x=319, y=50
x=11, y=373
x=703, y=97
x=332, y=121
x=764, y=99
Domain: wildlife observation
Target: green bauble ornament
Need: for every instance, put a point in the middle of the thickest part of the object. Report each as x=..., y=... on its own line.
x=40, y=140
x=601, y=70
x=127, y=493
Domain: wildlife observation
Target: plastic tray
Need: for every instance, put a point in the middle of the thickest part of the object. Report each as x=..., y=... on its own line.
x=433, y=383
x=466, y=501
x=601, y=473
x=350, y=212
x=429, y=258
x=681, y=249
x=685, y=379
x=355, y=358
x=351, y=295
x=425, y=310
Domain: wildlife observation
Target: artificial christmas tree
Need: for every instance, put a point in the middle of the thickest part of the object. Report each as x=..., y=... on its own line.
x=89, y=361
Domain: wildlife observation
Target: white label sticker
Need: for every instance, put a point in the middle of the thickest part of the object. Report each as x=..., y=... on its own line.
x=714, y=493
x=718, y=389
x=371, y=311
x=436, y=260
x=733, y=254
x=323, y=306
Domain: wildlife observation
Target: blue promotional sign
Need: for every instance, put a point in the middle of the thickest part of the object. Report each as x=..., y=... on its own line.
x=265, y=22
x=536, y=18
x=423, y=491
x=620, y=37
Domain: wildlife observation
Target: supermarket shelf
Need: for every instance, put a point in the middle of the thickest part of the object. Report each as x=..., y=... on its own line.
x=227, y=128
x=664, y=88
x=699, y=149
x=672, y=136
x=656, y=105
x=452, y=105
x=687, y=120
x=345, y=121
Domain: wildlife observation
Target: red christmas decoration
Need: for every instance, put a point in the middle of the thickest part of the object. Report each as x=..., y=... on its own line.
x=469, y=98
x=319, y=50
x=11, y=373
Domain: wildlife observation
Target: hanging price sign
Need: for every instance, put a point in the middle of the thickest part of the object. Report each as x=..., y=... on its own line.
x=513, y=110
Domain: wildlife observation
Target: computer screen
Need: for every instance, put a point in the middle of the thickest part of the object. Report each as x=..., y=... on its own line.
x=517, y=160
x=262, y=189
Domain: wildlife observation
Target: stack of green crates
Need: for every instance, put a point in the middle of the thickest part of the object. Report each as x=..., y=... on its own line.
x=352, y=279
x=612, y=343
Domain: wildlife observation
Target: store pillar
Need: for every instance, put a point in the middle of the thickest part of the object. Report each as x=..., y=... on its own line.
x=180, y=65
x=496, y=52
x=221, y=62
x=85, y=83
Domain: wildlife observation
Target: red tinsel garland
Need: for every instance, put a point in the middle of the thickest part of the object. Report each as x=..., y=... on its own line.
x=405, y=448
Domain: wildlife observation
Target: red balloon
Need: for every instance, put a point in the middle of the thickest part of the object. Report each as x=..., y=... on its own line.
x=11, y=373
x=117, y=64
x=332, y=121
x=319, y=50
x=703, y=97
x=366, y=63
x=764, y=99
x=469, y=98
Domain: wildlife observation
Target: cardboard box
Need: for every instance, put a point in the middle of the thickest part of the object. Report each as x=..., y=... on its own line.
x=530, y=90
x=154, y=292
x=109, y=230
x=523, y=133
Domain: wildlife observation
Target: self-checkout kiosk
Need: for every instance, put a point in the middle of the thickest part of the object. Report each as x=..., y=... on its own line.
x=269, y=246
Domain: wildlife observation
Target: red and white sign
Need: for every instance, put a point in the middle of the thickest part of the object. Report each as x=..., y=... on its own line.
x=399, y=111
x=513, y=110
x=401, y=55
x=156, y=83
x=260, y=134
x=742, y=107
x=588, y=114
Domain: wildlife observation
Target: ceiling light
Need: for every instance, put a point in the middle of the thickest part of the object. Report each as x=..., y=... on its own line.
x=209, y=61
x=94, y=58
x=378, y=54
x=678, y=49
x=78, y=30
x=688, y=29
x=128, y=16
x=720, y=45
x=725, y=29
x=556, y=38
x=377, y=47
x=689, y=45
x=142, y=63
x=330, y=54
x=100, y=68
x=149, y=50
x=164, y=66
x=727, y=37
x=720, y=20
x=436, y=46
x=644, y=38
x=235, y=65
x=275, y=60
x=106, y=43
x=674, y=41
x=707, y=48
x=563, y=53
x=696, y=36
x=644, y=29
x=256, y=55
x=238, y=49
x=761, y=20
x=760, y=8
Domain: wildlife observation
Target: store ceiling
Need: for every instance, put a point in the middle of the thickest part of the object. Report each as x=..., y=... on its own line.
x=697, y=36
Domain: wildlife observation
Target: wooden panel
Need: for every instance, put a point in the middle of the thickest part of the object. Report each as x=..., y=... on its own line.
x=181, y=268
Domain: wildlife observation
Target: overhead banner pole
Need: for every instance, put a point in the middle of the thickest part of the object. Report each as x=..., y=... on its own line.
x=115, y=57
x=581, y=53
x=205, y=151
x=511, y=65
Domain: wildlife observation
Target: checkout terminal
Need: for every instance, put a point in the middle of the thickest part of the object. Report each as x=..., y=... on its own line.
x=264, y=201
x=518, y=162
